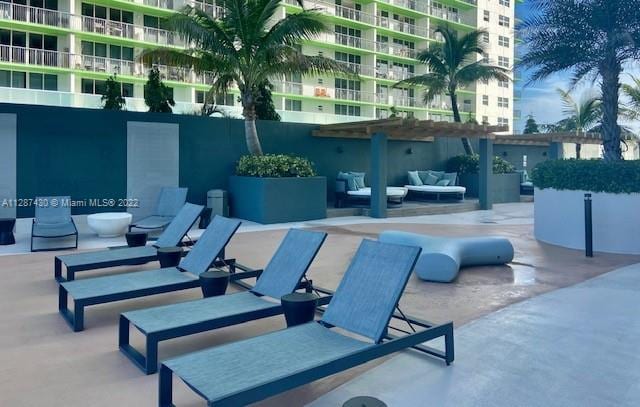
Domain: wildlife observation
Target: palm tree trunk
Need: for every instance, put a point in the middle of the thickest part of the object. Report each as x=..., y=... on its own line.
x=250, y=131
x=468, y=148
x=578, y=150
x=610, y=71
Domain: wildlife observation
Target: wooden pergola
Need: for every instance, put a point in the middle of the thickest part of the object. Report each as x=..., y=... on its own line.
x=380, y=131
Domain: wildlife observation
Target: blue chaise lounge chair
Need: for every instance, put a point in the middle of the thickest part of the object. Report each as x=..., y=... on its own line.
x=169, y=202
x=250, y=370
x=101, y=290
x=281, y=276
x=53, y=221
x=172, y=236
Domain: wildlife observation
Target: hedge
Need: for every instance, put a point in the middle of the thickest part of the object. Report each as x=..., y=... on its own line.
x=588, y=175
x=470, y=164
x=274, y=166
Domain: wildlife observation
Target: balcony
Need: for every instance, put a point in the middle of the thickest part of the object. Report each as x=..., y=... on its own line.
x=54, y=18
x=359, y=69
x=416, y=5
x=396, y=49
x=65, y=60
x=354, y=95
x=293, y=88
x=394, y=74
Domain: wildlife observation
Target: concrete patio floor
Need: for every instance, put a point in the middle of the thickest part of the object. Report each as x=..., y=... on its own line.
x=44, y=363
x=576, y=346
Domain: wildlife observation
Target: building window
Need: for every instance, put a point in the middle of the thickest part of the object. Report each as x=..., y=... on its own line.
x=43, y=81
x=485, y=120
x=347, y=110
x=503, y=62
x=506, y=3
x=485, y=100
x=503, y=102
x=503, y=121
x=293, y=105
x=503, y=84
x=96, y=87
x=503, y=41
x=504, y=21
x=487, y=16
x=485, y=37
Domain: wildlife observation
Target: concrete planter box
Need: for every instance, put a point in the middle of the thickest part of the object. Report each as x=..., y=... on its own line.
x=505, y=187
x=559, y=220
x=277, y=200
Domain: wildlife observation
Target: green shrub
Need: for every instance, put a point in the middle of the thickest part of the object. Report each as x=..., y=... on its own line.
x=274, y=166
x=470, y=164
x=588, y=175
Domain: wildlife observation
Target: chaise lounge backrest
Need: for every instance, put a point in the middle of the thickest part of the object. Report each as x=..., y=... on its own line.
x=170, y=201
x=289, y=263
x=53, y=210
x=179, y=226
x=371, y=288
x=210, y=245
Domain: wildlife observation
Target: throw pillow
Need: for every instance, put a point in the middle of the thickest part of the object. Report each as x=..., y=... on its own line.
x=452, y=177
x=443, y=183
x=437, y=174
x=349, y=179
x=430, y=179
x=414, y=179
x=359, y=179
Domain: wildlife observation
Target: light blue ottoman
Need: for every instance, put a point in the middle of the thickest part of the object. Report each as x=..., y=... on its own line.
x=442, y=257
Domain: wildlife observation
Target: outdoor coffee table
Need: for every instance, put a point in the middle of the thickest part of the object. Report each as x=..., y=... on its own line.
x=169, y=256
x=214, y=282
x=6, y=231
x=299, y=308
x=109, y=224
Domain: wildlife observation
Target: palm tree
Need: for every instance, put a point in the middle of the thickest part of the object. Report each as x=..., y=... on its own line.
x=454, y=64
x=582, y=115
x=246, y=46
x=589, y=38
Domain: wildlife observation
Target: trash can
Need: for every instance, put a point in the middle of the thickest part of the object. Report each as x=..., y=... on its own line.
x=218, y=201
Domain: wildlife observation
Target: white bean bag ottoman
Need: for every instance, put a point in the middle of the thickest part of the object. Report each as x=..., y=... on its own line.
x=442, y=257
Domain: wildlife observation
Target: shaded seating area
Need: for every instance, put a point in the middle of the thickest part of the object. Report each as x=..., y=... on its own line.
x=259, y=367
x=169, y=202
x=442, y=258
x=380, y=132
x=53, y=221
x=171, y=236
x=281, y=276
x=102, y=290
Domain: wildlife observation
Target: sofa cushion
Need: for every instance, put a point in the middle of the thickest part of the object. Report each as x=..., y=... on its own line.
x=430, y=179
x=349, y=179
x=443, y=183
x=414, y=178
x=359, y=179
x=452, y=177
x=437, y=174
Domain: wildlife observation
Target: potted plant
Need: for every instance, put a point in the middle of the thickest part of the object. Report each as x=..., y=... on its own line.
x=276, y=188
x=559, y=209
x=505, y=184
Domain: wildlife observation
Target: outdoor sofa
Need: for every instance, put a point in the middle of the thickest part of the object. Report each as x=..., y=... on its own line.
x=352, y=190
x=171, y=236
x=281, y=276
x=53, y=221
x=436, y=184
x=101, y=290
x=526, y=186
x=253, y=369
x=169, y=202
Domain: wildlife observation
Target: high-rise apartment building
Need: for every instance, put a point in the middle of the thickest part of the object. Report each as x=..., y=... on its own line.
x=60, y=52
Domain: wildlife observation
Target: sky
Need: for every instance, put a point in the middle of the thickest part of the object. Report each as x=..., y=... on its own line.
x=541, y=99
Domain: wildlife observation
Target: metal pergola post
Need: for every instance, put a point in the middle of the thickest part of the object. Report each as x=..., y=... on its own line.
x=379, y=175
x=485, y=174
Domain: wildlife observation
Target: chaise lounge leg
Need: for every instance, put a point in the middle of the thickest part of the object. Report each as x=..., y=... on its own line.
x=165, y=381
x=75, y=319
x=57, y=270
x=152, y=355
x=448, y=346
